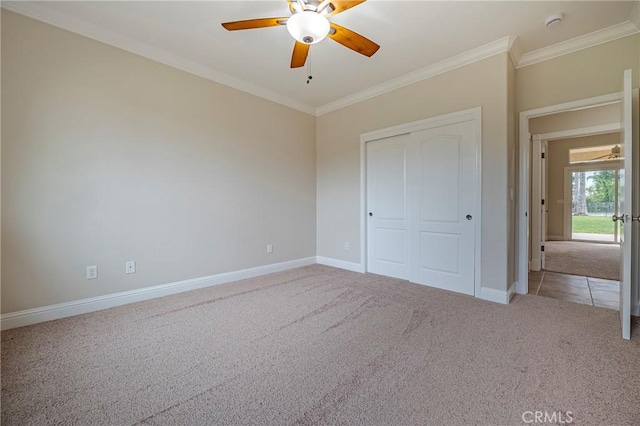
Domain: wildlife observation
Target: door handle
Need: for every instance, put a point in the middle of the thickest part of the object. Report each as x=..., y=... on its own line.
x=469, y=217
x=618, y=218
x=371, y=214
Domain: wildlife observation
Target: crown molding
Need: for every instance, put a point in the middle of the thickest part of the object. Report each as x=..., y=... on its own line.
x=510, y=44
x=515, y=51
x=36, y=10
x=466, y=58
x=578, y=43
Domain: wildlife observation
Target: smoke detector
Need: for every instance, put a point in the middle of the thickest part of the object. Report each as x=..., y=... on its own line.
x=554, y=19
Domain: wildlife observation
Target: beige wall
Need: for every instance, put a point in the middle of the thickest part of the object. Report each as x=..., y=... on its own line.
x=109, y=157
x=606, y=114
x=587, y=73
x=482, y=84
x=558, y=159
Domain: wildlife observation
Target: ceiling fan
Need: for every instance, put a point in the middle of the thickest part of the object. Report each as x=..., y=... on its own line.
x=309, y=24
x=613, y=155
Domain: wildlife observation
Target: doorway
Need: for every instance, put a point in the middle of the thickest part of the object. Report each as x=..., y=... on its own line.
x=630, y=202
x=581, y=257
x=573, y=250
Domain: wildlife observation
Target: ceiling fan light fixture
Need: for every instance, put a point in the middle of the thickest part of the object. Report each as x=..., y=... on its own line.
x=308, y=27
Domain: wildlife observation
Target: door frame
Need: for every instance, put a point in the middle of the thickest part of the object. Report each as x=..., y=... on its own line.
x=522, y=255
x=472, y=114
x=536, y=209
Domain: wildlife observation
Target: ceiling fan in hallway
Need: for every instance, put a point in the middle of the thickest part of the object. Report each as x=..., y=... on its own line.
x=613, y=155
x=309, y=24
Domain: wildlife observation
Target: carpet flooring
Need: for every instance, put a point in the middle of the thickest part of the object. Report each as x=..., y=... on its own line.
x=318, y=345
x=586, y=259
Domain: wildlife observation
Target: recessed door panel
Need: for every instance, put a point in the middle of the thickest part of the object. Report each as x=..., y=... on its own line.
x=440, y=157
x=440, y=252
x=390, y=183
x=394, y=248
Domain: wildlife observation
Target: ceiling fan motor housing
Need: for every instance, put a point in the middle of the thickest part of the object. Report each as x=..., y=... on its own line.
x=308, y=27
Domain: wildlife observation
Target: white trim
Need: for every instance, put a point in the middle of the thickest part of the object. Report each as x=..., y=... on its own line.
x=535, y=264
x=522, y=252
x=45, y=14
x=535, y=215
x=427, y=123
x=472, y=114
x=515, y=51
x=578, y=133
x=586, y=41
x=341, y=264
x=555, y=238
x=84, y=306
x=492, y=295
x=474, y=55
x=363, y=204
x=567, y=194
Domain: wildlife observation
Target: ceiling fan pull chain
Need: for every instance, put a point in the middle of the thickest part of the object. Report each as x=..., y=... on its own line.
x=309, y=76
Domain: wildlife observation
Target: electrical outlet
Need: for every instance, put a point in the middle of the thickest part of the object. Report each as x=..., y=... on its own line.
x=92, y=272
x=347, y=246
x=269, y=248
x=130, y=267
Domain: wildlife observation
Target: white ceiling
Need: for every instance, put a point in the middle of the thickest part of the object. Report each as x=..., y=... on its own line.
x=412, y=34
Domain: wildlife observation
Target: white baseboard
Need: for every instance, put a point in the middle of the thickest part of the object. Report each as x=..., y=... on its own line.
x=535, y=265
x=519, y=288
x=84, y=306
x=555, y=238
x=497, y=296
x=342, y=264
x=512, y=290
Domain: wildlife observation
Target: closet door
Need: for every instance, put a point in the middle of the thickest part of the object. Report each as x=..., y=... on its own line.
x=387, y=225
x=441, y=186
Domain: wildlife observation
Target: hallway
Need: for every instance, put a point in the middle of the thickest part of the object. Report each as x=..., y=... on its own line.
x=575, y=288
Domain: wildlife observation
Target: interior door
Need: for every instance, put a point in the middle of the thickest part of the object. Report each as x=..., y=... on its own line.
x=625, y=186
x=387, y=225
x=442, y=196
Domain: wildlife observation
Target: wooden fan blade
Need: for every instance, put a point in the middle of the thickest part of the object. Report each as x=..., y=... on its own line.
x=339, y=6
x=254, y=23
x=300, y=52
x=353, y=40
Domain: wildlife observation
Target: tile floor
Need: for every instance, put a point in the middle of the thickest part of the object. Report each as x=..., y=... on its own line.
x=575, y=288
